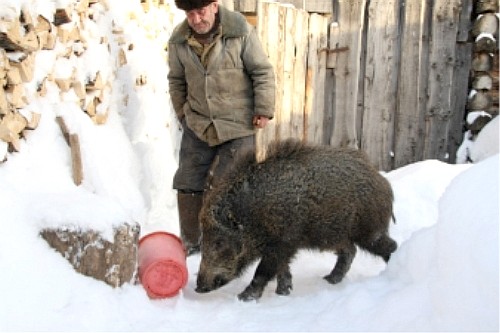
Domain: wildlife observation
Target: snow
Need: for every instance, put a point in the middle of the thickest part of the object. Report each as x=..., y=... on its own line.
x=443, y=277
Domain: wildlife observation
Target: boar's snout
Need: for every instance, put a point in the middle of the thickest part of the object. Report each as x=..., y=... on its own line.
x=203, y=285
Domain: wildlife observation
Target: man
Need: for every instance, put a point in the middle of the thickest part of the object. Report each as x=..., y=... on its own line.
x=222, y=88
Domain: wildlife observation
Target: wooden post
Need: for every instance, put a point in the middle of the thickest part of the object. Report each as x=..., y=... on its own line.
x=442, y=61
x=380, y=82
x=315, y=79
x=346, y=70
x=76, y=157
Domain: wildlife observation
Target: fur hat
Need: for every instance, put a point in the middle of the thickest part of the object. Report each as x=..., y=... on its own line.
x=192, y=4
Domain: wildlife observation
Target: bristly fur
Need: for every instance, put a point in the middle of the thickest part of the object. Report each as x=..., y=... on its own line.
x=301, y=196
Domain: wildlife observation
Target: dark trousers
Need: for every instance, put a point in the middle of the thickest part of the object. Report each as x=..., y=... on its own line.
x=198, y=162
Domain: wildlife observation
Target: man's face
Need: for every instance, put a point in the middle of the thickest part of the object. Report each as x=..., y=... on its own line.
x=202, y=19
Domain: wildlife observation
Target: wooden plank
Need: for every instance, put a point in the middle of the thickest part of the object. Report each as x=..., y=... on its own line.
x=268, y=18
x=277, y=56
x=300, y=51
x=315, y=78
x=380, y=82
x=246, y=6
x=346, y=71
x=409, y=126
x=284, y=73
x=442, y=60
x=459, y=100
x=293, y=60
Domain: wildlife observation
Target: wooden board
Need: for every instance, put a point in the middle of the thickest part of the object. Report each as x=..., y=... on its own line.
x=442, y=61
x=348, y=37
x=409, y=122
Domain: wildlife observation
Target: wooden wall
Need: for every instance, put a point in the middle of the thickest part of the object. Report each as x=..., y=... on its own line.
x=389, y=77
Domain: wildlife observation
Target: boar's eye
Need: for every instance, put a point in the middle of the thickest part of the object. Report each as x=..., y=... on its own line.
x=219, y=243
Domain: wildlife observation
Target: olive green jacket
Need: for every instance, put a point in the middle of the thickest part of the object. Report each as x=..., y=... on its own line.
x=237, y=83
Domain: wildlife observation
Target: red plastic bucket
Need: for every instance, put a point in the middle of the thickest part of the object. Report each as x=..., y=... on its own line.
x=162, y=264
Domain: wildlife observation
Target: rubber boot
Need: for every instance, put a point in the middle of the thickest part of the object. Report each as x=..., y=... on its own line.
x=189, y=206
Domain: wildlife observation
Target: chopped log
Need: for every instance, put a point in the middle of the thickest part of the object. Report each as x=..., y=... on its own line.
x=79, y=89
x=14, y=121
x=13, y=76
x=91, y=106
x=482, y=62
x=480, y=101
x=83, y=6
x=4, y=104
x=113, y=262
x=100, y=118
x=482, y=82
x=25, y=67
x=95, y=84
x=16, y=96
x=485, y=44
x=63, y=84
x=487, y=23
x=486, y=6
x=12, y=41
x=32, y=119
x=42, y=25
x=10, y=137
x=61, y=17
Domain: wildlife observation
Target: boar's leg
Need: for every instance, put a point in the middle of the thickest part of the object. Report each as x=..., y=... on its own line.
x=267, y=269
x=345, y=256
x=284, y=279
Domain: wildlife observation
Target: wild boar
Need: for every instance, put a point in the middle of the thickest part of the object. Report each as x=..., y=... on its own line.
x=300, y=197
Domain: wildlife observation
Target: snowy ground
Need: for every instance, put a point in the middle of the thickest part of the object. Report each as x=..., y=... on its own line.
x=443, y=277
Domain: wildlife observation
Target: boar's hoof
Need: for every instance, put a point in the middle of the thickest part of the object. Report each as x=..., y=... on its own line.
x=284, y=286
x=333, y=278
x=250, y=294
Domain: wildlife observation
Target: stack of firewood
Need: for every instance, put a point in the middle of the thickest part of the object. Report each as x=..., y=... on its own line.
x=483, y=101
x=66, y=36
x=22, y=38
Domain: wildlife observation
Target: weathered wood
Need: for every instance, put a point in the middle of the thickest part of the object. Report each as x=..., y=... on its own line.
x=25, y=67
x=300, y=29
x=313, y=6
x=11, y=39
x=61, y=16
x=442, y=60
x=486, y=6
x=487, y=24
x=4, y=104
x=268, y=20
x=111, y=261
x=351, y=16
x=74, y=143
x=482, y=62
x=76, y=158
x=409, y=122
x=16, y=95
x=315, y=79
x=459, y=98
x=380, y=82
x=246, y=6
x=293, y=59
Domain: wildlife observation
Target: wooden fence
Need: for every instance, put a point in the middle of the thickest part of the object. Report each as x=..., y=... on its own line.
x=389, y=77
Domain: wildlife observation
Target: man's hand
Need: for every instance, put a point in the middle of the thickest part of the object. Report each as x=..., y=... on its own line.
x=260, y=121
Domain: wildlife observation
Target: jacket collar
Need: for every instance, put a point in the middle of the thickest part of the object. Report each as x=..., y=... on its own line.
x=233, y=25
